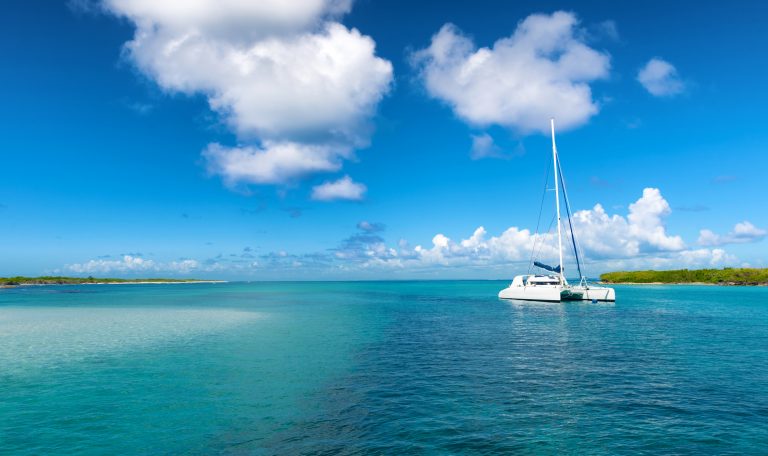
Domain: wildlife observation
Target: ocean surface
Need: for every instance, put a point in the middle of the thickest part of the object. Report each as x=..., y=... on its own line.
x=380, y=368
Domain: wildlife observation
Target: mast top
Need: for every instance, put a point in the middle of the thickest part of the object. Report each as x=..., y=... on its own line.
x=552, y=124
x=556, y=165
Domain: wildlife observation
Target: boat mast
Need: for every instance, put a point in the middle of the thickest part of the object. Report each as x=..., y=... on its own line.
x=557, y=203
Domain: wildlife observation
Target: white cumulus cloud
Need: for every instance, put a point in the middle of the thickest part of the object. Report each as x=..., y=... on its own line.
x=512, y=245
x=273, y=163
x=127, y=263
x=638, y=239
x=285, y=76
x=742, y=233
x=132, y=264
x=646, y=221
x=483, y=146
x=542, y=70
x=641, y=231
x=342, y=189
x=660, y=78
x=229, y=17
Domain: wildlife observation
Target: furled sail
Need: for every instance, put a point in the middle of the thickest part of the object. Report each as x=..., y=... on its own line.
x=555, y=269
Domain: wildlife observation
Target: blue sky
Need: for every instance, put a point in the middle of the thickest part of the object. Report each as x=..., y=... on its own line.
x=224, y=144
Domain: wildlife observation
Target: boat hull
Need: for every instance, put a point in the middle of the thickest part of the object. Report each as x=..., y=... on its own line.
x=548, y=294
x=559, y=293
x=597, y=293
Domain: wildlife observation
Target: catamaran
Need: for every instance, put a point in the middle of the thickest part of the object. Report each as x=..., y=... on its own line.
x=552, y=285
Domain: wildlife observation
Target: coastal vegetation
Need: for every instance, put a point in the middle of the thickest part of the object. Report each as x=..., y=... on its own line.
x=726, y=276
x=59, y=280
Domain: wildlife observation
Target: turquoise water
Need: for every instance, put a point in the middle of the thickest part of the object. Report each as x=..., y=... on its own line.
x=380, y=367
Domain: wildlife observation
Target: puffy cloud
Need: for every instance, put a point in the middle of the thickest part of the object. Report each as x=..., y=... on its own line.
x=282, y=74
x=182, y=266
x=342, y=189
x=484, y=147
x=660, y=78
x=747, y=232
x=638, y=239
x=367, y=252
x=708, y=237
x=742, y=233
x=642, y=231
x=229, y=16
x=513, y=245
x=541, y=71
x=132, y=264
x=603, y=235
x=313, y=84
x=274, y=163
x=711, y=257
x=127, y=263
x=646, y=225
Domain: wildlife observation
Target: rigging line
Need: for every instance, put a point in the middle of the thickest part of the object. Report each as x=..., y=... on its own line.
x=577, y=250
x=541, y=246
x=538, y=221
x=583, y=256
x=559, y=170
x=568, y=213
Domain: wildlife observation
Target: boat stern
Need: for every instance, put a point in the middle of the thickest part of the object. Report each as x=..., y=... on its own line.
x=599, y=294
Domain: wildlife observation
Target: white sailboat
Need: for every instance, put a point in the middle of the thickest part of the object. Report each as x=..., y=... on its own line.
x=553, y=286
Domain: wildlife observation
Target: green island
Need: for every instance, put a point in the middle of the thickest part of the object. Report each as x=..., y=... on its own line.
x=726, y=276
x=7, y=282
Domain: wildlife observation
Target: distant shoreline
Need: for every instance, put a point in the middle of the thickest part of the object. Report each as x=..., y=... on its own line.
x=725, y=277
x=16, y=282
x=147, y=282
x=109, y=283
x=689, y=283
